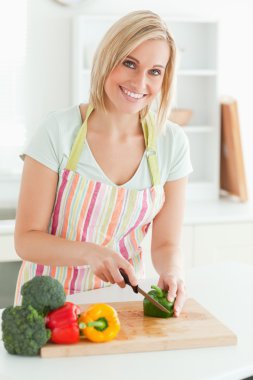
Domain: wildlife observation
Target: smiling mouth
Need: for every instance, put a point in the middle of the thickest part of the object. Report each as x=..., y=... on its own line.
x=133, y=95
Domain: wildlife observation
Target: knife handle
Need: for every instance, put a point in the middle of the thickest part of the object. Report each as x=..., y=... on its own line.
x=126, y=279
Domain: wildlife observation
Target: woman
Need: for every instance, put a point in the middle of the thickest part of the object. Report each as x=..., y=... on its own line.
x=97, y=176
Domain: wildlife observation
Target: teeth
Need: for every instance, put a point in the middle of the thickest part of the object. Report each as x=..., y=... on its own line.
x=132, y=94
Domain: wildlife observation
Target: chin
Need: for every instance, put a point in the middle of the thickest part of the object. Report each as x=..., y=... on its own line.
x=130, y=108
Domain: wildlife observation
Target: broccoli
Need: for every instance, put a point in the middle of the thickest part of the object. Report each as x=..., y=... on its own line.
x=44, y=293
x=24, y=331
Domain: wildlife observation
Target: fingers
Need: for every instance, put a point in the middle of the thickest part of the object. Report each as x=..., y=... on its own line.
x=169, y=282
x=161, y=284
x=176, y=291
x=172, y=293
x=108, y=276
x=180, y=299
x=109, y=271
x=102, y=277
x=117, y=277
x=105, y=275
x=128, y=268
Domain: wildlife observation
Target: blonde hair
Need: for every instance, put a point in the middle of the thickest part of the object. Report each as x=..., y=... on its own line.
x=122, y=38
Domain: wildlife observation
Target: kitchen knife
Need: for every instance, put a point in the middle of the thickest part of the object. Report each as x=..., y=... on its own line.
x=137, y=289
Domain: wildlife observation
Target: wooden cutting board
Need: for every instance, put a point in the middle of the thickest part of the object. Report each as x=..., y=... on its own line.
x=194, y=328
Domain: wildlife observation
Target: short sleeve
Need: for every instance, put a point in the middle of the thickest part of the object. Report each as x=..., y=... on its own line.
x=180, y=162
x=44, y=144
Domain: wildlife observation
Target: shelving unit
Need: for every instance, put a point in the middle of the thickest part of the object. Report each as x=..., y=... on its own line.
x=197, y=88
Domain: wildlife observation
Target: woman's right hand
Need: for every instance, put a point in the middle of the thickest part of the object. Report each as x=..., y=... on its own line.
x=106, y=263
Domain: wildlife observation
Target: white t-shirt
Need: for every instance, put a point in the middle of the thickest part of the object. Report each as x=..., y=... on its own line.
x=53, y=139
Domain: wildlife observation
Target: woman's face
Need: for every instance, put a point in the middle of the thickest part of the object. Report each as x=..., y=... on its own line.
x=137, y=80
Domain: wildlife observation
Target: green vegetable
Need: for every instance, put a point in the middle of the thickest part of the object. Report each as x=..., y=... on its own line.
x=44, y=293
x=160, y=296
x=24, y=331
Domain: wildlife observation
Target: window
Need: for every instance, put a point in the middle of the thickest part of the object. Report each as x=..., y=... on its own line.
x=13, y=42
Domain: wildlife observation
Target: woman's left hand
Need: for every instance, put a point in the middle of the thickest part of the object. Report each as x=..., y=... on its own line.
x=174, y=283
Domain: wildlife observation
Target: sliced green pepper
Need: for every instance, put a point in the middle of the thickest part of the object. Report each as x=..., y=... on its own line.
x=160, y=296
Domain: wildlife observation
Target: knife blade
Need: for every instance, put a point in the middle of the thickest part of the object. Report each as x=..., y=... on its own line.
x=137, y=289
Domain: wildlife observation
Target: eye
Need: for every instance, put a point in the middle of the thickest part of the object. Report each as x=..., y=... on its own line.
x=155, y=72
x=129, y=64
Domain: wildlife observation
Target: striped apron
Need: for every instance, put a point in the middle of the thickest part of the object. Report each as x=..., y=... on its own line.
x=92, y=211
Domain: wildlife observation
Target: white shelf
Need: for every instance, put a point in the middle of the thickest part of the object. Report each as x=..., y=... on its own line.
x=207, y=73
x=199, y=129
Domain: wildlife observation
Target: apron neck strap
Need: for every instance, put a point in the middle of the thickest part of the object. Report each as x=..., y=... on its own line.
x=78, y=143
x=148, y=127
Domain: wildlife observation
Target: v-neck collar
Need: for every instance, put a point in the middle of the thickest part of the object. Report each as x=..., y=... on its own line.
x=148, y=128
x=100, y=168
x=106, y=176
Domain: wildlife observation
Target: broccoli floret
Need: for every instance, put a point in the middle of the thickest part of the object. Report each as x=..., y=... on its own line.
x=24, y=331
x=44, y=293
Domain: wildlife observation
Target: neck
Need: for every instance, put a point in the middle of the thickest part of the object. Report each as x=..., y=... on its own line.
x=116, y=123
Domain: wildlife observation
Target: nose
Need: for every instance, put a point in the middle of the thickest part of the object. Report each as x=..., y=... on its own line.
x=140, y=81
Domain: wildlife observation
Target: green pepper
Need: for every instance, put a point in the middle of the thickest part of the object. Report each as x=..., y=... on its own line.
x=160, y=296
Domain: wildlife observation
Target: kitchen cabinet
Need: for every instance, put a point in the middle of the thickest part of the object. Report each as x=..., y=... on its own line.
x=211, y=243
x=196, y=88
x=9, y=262
x=7, y=249
x=213, y=232
x=7, y=225
x=217, y=243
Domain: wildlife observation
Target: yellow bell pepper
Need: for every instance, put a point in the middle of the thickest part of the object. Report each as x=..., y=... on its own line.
x=99, y=323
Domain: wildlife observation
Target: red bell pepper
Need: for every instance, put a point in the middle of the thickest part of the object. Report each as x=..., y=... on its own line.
x=63, y=323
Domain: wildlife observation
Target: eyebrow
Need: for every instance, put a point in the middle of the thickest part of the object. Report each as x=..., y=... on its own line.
x=136, y=60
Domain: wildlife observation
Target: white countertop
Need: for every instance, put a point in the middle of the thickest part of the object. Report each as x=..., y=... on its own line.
x=225, y=290
x=224, y=210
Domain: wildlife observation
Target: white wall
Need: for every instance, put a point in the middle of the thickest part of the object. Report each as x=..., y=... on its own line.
x=49, y=57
